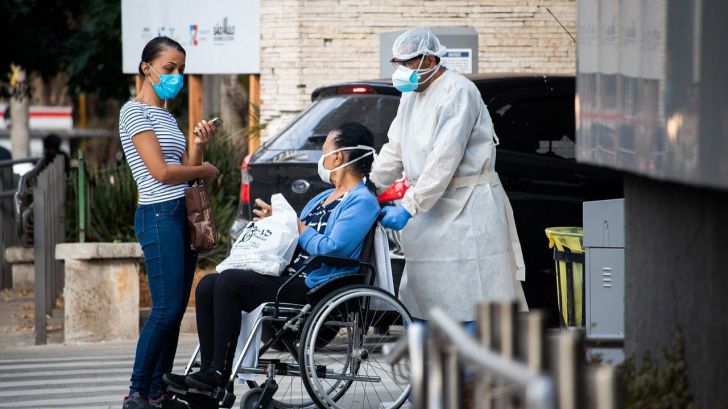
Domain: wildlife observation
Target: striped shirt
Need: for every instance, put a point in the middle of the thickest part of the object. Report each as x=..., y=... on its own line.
x=317, y=219
x=136, y=117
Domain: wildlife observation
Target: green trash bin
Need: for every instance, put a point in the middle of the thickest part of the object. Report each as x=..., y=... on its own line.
x=568, y=246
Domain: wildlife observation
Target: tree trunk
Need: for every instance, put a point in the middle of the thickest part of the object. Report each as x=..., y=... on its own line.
x=233, y=107
x=19, y=114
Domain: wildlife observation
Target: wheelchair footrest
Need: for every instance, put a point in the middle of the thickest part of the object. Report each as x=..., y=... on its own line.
x=220, y=394
x=177, y=391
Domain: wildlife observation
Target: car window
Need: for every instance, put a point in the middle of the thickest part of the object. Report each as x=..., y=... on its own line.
x=543, y=125
x=309, y=130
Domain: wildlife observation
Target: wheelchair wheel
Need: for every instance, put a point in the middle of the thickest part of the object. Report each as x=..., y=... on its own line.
x=251, y=398
x=350, y=371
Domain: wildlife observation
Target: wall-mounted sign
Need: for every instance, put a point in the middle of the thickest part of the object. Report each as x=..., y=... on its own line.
x=459, y=60
x=219, y=36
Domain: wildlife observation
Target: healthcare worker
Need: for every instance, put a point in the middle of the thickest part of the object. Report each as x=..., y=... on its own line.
x=458, y=235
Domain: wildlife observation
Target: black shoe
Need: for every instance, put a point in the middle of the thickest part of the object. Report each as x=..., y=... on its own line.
x=206, y=380
x=167, y=401
x=136, y=401
x=174, y=380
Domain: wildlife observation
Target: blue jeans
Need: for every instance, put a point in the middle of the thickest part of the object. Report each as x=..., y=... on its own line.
x=469, y=325
x=161, y=229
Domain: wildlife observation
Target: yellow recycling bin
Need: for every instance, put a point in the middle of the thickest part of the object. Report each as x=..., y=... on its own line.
x=567, y=243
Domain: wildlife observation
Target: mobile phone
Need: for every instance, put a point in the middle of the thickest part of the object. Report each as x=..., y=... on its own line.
x=216, y=122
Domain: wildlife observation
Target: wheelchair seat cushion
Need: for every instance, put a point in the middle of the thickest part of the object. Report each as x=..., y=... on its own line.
x=316, y=294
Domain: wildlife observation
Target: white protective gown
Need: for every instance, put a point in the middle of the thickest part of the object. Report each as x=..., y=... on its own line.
x=461, y=246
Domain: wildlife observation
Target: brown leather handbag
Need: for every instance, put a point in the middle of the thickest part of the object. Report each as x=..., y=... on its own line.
x=203, y=231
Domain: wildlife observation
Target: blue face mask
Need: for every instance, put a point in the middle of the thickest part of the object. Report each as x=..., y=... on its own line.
x=169, y=84
x=407, y=80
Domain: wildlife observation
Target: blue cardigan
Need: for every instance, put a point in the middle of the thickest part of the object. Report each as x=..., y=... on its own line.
x=347, y=226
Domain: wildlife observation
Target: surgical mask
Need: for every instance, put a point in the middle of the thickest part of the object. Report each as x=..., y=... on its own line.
x=169, y=84
x=325, y=174
x=406, y=79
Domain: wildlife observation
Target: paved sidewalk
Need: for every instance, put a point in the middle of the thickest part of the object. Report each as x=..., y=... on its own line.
x=97, y=375
x=17, y=318
x=72, y=376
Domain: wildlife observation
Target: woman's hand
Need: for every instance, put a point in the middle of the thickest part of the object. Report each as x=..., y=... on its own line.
x=209, y=172
x=264, y=211
x=301, y=226
x=204, y=131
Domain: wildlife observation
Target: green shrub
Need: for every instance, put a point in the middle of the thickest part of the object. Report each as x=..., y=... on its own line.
x=655, y=387
x=112, y=198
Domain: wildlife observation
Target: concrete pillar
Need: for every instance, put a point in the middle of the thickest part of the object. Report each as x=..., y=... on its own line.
x=23, y=266
x=101, y=292
x=677, y=274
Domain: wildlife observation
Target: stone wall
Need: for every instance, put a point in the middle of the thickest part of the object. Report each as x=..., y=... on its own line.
x=309, y=43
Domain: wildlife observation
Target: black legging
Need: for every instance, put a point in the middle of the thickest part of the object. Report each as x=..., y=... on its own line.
x=221, y=297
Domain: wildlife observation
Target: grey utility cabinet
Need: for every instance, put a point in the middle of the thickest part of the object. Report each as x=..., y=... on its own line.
x=604, y=278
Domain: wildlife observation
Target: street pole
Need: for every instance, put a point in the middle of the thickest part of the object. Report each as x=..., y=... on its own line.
x=253, y=113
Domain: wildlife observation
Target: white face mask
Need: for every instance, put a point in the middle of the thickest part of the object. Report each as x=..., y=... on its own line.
x=325, y=174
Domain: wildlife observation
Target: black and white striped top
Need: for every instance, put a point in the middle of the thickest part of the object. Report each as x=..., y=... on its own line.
x=136, y=117
x=317, y=219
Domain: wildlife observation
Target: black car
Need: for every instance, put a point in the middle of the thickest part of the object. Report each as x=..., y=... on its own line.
x=533, y=116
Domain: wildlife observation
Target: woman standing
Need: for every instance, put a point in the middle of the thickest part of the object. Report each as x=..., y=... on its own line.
x=155, y=150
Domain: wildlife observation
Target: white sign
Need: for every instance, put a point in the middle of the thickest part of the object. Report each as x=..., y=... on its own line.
x=459, y=60
x=219, y=36
x=43, y=117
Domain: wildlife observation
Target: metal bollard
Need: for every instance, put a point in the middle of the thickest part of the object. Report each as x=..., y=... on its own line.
x=453, y=378
x=601, y=387
x=484, y=387
x=504, y=341
x=565, y=352
x=417, y=346
x=436, y=375
x=504, y=328
x=497, y=331
x=531, y=341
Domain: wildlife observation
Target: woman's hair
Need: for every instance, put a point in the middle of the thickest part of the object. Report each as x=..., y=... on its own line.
x=353, y=134
x=155, y=47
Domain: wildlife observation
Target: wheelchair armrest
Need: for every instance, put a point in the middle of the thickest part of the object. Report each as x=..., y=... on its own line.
x=315, y=294
x=315, y=261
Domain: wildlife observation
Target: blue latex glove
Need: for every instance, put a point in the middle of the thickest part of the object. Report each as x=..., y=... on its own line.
x=394, y=217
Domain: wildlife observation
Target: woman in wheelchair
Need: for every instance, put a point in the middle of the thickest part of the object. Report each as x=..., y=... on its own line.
x=333, y=223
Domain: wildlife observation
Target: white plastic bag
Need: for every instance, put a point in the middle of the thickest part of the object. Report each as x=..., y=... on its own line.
x=266, y=246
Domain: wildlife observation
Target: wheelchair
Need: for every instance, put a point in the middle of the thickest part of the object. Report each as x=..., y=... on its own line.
x=325, y=354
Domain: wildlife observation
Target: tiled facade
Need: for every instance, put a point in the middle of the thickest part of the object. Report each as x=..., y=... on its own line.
x=309, y=43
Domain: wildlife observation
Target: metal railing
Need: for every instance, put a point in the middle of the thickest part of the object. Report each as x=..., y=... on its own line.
x=49, y=229
x=8, y=228
x=512, y=364
x=23, y=202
